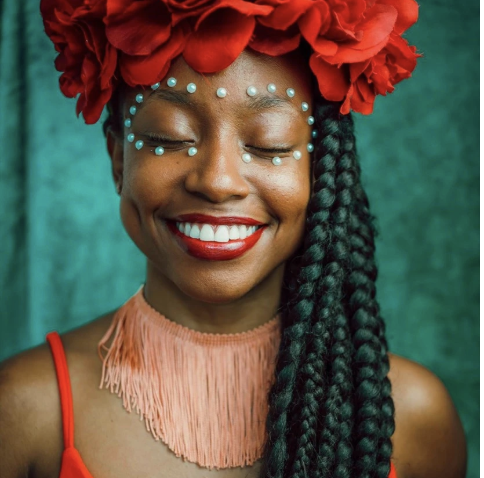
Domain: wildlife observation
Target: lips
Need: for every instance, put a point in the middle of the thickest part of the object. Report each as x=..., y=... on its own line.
x=213, y=250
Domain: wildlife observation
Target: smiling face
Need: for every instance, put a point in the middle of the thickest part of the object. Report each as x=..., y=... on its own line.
x=203, y=162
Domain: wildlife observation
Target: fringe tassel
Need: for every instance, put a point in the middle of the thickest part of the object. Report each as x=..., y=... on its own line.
x=204, y=395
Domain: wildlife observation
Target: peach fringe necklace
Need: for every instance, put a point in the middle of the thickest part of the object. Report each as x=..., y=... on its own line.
x=204, y=395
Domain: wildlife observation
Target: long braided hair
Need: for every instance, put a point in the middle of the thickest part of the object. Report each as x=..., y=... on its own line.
x=331, y=414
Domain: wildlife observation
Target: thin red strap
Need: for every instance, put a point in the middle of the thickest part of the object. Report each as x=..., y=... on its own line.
x=65, y=391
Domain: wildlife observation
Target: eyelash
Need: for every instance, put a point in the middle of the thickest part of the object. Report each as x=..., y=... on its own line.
x=162, y=141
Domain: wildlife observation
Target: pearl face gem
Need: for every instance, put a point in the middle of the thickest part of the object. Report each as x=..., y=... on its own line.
x=297, y=155
x=139, y=98
x=271, y=88
x=310, y=148
x=191, y=87
x=132, y=110
x=192, y=151
x=139, y=144
x=171, y=82
x=155, y=86
x=304, y=106
x=221, y=92
x=246, y=158
x=130, y=137
x=159, y=150
x=290, y=92
x=127, y=123
x=311, y=120
x=251, y=90
x=314, y=134
x=277, y=161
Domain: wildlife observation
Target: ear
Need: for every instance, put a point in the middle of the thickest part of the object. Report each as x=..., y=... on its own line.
x=115, y=150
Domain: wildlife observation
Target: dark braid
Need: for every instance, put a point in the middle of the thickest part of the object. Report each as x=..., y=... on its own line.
x=331, y=412
x=340, y=419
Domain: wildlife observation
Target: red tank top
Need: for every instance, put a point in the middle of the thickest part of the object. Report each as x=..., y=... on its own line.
x=72, y=465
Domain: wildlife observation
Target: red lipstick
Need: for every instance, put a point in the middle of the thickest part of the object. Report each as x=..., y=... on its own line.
x=211, y=250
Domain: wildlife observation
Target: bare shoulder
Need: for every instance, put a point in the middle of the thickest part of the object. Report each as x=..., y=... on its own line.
x=30, y=411
x=429, y=439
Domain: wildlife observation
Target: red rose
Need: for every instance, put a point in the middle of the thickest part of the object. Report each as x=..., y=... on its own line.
x=221, y=33
x=86, y=58
x=182, y=9
x=359, y=83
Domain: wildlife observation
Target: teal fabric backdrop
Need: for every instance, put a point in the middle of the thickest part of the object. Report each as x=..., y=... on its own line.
x=65, y=257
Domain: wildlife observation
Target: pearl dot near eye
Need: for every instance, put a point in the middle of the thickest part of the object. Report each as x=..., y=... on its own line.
x=221, y=92
x=139, y=98
x=297, y=155
x=130, y=137
x=314, y=134
x=159, y=150
x=304, y=106
x=311, y=120
x=192, y=151
x=139, y=144
x=251, y=90
x=290, y=92
x=171, y=82
x=310, y=148
x=277, y=161
x=127, y=123
x=155, y=86
x=271, y=88
x=191, y=87
x=246, y=158
x=132, y=110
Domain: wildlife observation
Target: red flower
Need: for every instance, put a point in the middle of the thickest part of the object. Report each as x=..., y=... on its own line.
x=85, y=57
x=221, y=33
x=182, y=9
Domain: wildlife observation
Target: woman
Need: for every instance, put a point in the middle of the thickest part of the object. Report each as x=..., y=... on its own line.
x=233, y=153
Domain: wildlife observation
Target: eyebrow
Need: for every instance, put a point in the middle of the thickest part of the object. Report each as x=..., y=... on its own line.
x=258, y=102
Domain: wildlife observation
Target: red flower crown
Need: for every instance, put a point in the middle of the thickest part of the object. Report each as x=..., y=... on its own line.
x=357, y=47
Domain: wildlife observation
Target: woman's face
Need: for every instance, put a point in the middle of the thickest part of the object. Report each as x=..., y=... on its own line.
x=215, y=190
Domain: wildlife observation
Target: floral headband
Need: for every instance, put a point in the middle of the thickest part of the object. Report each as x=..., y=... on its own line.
x=357, y=47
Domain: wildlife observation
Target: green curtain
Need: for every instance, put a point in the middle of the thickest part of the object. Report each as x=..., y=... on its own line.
x=65, y=257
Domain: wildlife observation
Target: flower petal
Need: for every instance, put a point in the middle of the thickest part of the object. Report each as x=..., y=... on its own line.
x=273, y=42
x=333, y=81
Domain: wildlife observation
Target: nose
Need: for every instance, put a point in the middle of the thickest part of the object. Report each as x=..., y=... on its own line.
x=216, y=173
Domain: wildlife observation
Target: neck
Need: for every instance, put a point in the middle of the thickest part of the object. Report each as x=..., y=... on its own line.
x=253, y=309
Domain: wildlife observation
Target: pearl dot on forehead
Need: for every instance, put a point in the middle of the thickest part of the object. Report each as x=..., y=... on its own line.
x=297, y=155
x=251, y=90
x=132, y=110
x=127, y=123
x=159, y=150
x=246, y=158
x=221, y=92
x=139, y=144
x=310, y=148
x=139, y=98
x=277, y=161
x=155, y=86
x=171, y=82
x=271, y=88
x=311, y=120
x=192, y=151
x=290, y=92
x=130, y=137
x=191, y=87
x=304, y=106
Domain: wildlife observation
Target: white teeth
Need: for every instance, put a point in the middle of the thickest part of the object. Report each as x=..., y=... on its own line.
x=243, y=231
x=195, y=232
x=222, y=234
x=206, y=233
x=209, y=232
x=234, y=233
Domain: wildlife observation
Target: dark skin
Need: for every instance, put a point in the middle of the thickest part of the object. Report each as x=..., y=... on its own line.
x=225, y=297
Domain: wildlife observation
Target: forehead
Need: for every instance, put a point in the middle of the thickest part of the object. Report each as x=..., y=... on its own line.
x=250, y=69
